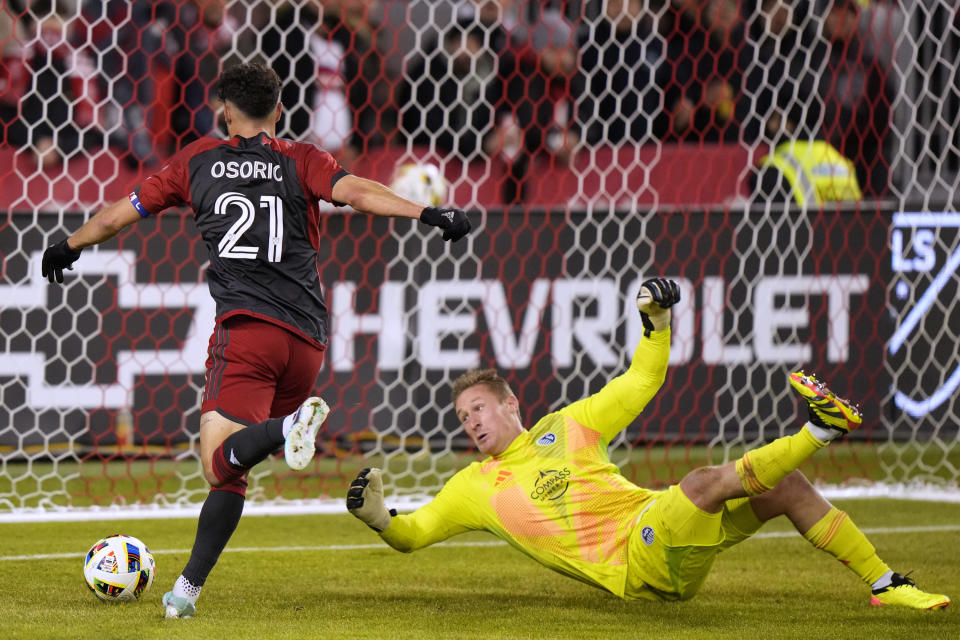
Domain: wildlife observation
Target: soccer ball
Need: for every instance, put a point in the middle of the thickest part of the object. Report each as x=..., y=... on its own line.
x=422, y=183
x=119, y=568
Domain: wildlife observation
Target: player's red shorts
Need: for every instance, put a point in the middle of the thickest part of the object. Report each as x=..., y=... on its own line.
x=257, y=370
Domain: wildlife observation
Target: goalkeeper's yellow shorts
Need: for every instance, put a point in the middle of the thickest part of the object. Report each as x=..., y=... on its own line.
x=673, y=544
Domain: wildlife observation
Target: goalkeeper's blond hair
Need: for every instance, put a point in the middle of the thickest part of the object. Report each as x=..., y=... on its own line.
x=488, y=378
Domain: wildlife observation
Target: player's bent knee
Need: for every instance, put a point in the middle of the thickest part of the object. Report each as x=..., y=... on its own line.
x=211, y=477
x=793, y=490
x=214, y=429
x=225, y=477
x=235, y=485
x=697, y=482
x=208, y=473
x=704, y=488
x=794, y=486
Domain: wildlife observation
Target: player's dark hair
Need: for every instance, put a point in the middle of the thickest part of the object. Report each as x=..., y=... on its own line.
x=254, y=88
x=488, y=378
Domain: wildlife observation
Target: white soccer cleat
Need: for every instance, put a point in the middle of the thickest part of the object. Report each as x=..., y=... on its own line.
x=177, y=607
x=301, y=441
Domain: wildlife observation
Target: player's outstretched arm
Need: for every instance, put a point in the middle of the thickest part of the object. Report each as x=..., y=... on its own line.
x=621, y=400
x=365, y=500
x=105, y=224
x=648, y=368
x=448, y=514
x=372, y=197
x=656, y=297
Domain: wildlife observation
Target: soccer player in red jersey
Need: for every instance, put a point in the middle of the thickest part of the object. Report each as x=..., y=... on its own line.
x=552, y=493
x=255, y=199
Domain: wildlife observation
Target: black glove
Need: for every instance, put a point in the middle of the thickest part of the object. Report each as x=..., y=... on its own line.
x=454, y=222
x=656, y=297
x=365, y=500
x=665, y=293
x=56, y=258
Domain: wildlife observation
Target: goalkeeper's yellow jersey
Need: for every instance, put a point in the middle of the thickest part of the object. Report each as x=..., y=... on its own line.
x=554, y=494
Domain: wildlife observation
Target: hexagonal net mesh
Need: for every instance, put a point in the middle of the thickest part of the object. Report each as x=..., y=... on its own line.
x=594, y=144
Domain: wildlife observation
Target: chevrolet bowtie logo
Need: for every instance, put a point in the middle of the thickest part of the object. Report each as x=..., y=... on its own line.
x=130, y=364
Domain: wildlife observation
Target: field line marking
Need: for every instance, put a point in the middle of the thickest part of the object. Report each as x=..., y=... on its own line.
x=492, y=543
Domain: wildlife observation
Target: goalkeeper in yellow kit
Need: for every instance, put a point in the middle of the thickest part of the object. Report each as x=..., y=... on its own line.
x=552, y=493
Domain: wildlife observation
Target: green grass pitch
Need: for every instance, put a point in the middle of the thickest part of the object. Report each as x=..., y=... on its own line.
x=773, y=586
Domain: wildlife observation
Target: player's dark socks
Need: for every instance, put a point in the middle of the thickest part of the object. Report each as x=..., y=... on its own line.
x=247, y=447
x=219, y=516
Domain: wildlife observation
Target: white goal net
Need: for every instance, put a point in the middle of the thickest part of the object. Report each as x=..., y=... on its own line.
x=594, y=144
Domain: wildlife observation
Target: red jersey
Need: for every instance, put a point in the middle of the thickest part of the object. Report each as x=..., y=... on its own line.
x=255, y=201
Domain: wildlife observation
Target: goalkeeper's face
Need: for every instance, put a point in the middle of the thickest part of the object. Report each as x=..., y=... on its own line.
x=491, y=423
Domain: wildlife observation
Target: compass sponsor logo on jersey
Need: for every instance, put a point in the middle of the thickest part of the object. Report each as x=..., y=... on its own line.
x=246, y=169
x=551, y=484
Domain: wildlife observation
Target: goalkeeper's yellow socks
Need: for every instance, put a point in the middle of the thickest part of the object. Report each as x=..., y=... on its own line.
x=836, y=534
x=762, y=469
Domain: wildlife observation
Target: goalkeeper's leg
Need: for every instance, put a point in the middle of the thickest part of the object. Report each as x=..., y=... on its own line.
x=832, y=530
x=761, y=469
x=769, y=475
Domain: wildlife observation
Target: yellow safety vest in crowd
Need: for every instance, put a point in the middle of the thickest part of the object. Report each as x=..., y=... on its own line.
x=816, y=171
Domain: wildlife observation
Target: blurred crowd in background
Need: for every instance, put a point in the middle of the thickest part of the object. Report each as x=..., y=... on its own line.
x=517, y=82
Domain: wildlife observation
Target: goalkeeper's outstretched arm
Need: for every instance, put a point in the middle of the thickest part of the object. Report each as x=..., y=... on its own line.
x=445, y=516
x=654, y=301
x=365, y=500
x=614, y=407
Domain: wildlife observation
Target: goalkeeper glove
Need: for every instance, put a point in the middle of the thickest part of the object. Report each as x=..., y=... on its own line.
x=365, y=500
x=656, y=297
x=56, y=258
x=454, y=222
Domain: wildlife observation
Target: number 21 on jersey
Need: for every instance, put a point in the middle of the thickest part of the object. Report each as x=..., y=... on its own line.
x=228, y=244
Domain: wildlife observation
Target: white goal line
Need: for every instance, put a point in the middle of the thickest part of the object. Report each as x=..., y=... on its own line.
x=922, y=492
